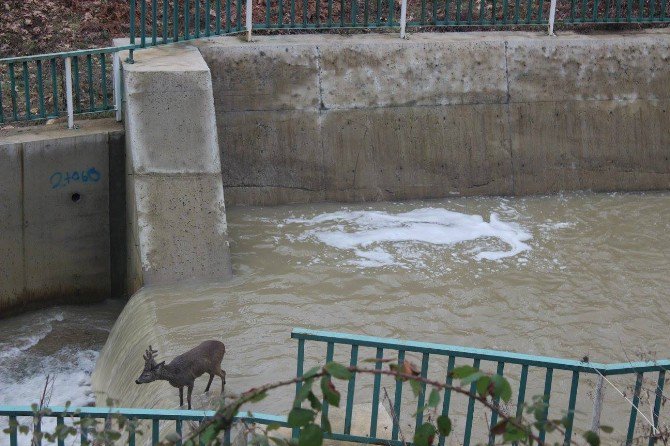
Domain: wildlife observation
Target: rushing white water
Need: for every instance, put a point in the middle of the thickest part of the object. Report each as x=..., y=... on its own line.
x=380, y=238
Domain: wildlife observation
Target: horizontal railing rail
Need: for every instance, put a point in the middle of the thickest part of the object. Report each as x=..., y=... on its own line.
x=501, y=360
x=156, y=416
x=48, y=86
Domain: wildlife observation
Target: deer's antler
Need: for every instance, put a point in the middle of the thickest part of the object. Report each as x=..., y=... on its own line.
x=150, y=354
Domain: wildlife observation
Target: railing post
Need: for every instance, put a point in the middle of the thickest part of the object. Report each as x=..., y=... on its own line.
x=132, y=30
x=249, y=20
x=403, y=18
x=597, y=404
x=552, y=16
x=116, y=72
x=68, y=92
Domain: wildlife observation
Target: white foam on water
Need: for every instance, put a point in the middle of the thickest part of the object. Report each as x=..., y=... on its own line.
x=378, y=238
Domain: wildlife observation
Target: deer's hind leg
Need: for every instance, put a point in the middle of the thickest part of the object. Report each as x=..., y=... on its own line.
x=209, y=383
x=189, y=390
x=222, y=374
x=181, y=396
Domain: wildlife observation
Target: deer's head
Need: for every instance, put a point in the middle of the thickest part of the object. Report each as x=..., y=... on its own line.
x=151, y=369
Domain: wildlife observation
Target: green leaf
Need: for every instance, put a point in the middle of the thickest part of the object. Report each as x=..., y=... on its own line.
x=463, y=371
x=483, y=386
x=501, y=388
x=472, y=378
x=330, y=393
x=444, y=425
x=434, y=398
x=311, y=435
x=311, y=373
x=338, y=371
x=417, y=386
x=303, y=393
x=273, y=427
x=607, y=429
x=314, y=401
x=592, y=438
x=424, y=435
x=300, y=417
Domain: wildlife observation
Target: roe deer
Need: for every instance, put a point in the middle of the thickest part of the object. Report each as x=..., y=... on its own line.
x=185, y=368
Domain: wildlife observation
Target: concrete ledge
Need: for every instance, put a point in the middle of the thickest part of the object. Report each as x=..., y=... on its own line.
x=175, y=193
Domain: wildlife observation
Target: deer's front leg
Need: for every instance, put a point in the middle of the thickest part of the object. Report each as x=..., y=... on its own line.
x=181, y=396
x=188, y=395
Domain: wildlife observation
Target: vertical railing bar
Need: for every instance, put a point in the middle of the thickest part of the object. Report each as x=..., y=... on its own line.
x=26, y=89
x=229, y=15
x=280, y=13
x=547, y=396
x=342, y=15
x=458, y=11
x=597, y=404
x=529, y=11
x=505, y=11
x=2, y=111
x=166, y=26
x=68, y=93
x=378, y=17
x=37, y=426
x=83, y=435
x=423, y=12
x=154, y=20
x=494, y=13
x=175, y=21
x=447, y=6
x=238, y=4
x=471, y=408
x=594, y=16
x=249, y=19
x=572, y=10
x=353, y=361
x=40, y=89
x=494, y=415
x=13, y=431
x=208, y=19
x=131, y=433
x=375, y=393
x=268, y=10
x=517, y=7
x=196, y=19
x=60, y=422
x=187, y=14
x=634, y=409
x=640, y=10
x=434, y=17
x=482, y=11
x=571, y=408
x=12, y=92
x=366, y=12
x=330, y=351
x=75, y=83
x=330, y=13
x=178, y=428
x=421, y=401
x=655, y=415
x=133, y=12
x=89, y=73
x=155, y=431
x=103, y=71
x=226, y=437
x=397, y=400
x=299, y=372
x=470, y=6
x=447, y=393
x=218, y=17
x=143, y=23
x=305, y=10
x=522, y=393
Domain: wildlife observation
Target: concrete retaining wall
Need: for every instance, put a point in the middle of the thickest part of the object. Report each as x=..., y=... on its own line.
x=55, y=239
x=373, y=117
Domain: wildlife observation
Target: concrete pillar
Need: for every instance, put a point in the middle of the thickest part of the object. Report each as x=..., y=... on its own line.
x=176, y=213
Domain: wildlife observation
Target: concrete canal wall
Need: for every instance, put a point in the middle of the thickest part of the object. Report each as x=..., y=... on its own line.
x=62, y=219
x=372, y=117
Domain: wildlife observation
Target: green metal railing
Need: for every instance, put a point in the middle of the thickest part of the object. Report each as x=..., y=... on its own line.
x=157, y=22
x=526, y=368
x=52, y=85
x=162, y=421
x=437, y=360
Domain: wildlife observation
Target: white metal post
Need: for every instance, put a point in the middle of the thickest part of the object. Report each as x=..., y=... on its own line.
x=552, y=16
x=249, y=20
x=403, y=17
x=116, y=69
x=597, y=405
x=68, y=92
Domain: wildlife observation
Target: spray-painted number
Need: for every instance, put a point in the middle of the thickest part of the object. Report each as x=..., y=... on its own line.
x=61, y=179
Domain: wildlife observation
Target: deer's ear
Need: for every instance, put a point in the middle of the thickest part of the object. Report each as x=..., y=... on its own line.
x=159, y=365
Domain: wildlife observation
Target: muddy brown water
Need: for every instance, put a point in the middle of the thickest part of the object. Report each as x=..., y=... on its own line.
x=566, y=276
